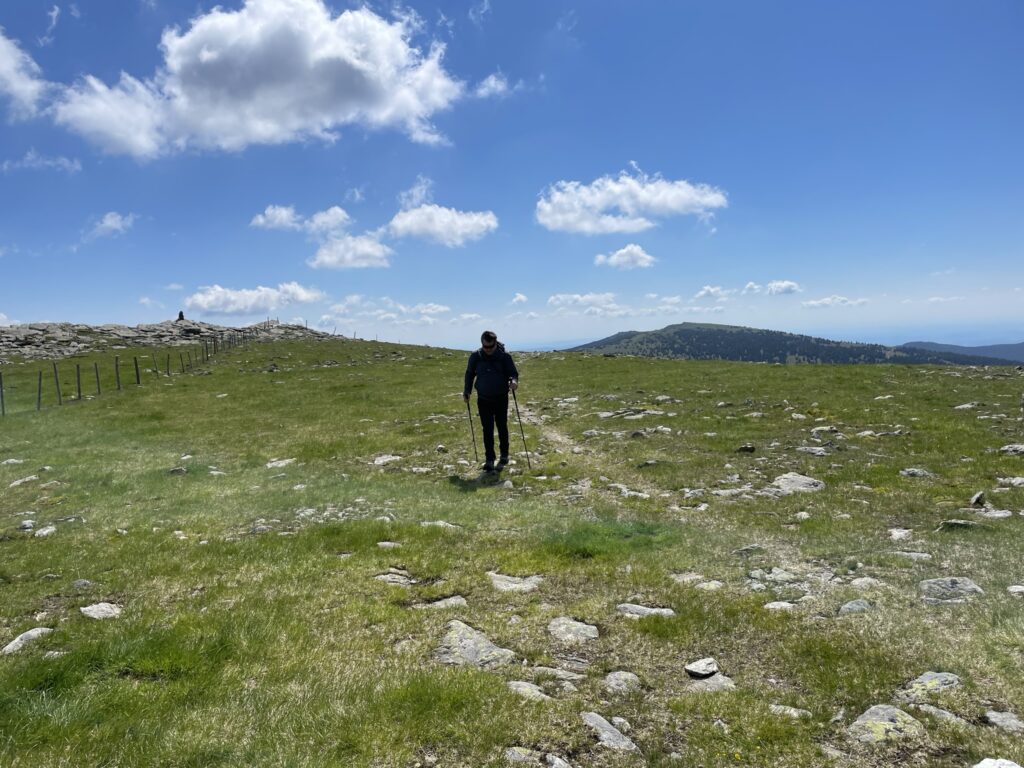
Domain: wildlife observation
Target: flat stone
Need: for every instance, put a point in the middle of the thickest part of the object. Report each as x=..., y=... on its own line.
x=455, y=601
x=45, y=531
x=702, y=668
x=686, y=578
x=978, y=499
x=522, y=756
x=27, y=525
x=396, y=577
x=1012, y=482
x=885, y=723
x=528, y=690
x=714, y=684
x=634, y=611
x=949, y=589
x=1006, y=721
x=992, y=513
x=386, y=459
x=866, y=582
x=554, y=761
x=709, y=586
x=779, y=605
x=439, y=524
x=22, y=481
x=790, y=712
x=919, y=690
x=949, y=525
x=900, y=534
x=860, y=605
x=607, y=734
x=465, y=646
x=572, y=632
x=25, y=638
x=917, y=557
x=793, y=482
x=388, y=544
x=1017, y=590
x=621, y=682
x=101, y=611
x=504, y=583
x=1014, y=449
x=81, y=584
x=943, y=715
x=915, y=472
x=991, y=762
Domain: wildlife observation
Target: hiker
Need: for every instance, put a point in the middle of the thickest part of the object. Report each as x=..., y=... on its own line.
x=495, y=375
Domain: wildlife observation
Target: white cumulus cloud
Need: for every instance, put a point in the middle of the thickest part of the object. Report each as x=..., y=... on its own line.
x=246, y=301
x=630, y=257
x=519, y=299
x=446, y=226
x=578, y=299
x=716, y=292
x=834, y=301
x=111, y=224
x=33, y=161
x=623, y=203
x=944, y=299
x=270, y=72
x=494, y=85
x=277, y=217
x=781, y=287
x=21, y=80
x=351, y=252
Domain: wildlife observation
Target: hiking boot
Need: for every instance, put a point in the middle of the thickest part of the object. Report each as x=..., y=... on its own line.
x=502, y=462
x=488, y=466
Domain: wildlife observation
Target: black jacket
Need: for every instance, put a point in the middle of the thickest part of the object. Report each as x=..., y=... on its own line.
x=492, y=373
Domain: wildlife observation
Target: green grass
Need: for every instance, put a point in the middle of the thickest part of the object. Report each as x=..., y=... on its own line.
x=255, y=634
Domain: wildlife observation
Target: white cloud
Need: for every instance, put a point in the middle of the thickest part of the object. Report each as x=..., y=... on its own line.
x=944, y=299
x=270, y=72
x=20, y=79
x=834, y=301
x=35, y=162
x=111, y=225
x=467, y=317
x=751, y=287
x=781, y=287
x=246, y=301
x=146, y=301
x=630, y=257
x=47, y=38
x=418, y=194
x=277, y=217
x=355, y=195
x=577, y=299
x=519, y=299
x=446, y=226
x=174, y=287
x=329, y=222
x=478, y=12
x=494, y=85
x=717, y=292
x=351, y=252
x=626, y=203
x=5, y=320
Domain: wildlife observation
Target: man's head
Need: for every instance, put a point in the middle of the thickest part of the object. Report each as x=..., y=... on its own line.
x=488, y=341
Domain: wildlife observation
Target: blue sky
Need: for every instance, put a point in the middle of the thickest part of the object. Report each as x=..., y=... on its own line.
x=555, y=171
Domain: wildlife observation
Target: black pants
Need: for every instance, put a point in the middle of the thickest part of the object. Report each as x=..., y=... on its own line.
x=494, y=411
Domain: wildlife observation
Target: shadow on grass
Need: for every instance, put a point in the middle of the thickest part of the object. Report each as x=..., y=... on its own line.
x=473, y=484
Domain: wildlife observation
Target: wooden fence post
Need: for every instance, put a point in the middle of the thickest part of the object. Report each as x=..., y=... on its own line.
x=96, y=367
x=117, y=371
x=190, y=366
x=156, y=368
x=138, y=379
x=78, y=380
x=181, y=359
x=3, y=406
x=39, y=393
x=56, y=380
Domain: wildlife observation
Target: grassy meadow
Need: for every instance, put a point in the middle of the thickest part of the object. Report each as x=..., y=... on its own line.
x=254, y=633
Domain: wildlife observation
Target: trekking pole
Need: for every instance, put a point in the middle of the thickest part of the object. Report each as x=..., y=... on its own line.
x=469, y=413
x=516, y=401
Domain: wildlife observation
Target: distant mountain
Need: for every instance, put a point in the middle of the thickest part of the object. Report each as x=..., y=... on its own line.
x=707, y=341
x=1014, y=352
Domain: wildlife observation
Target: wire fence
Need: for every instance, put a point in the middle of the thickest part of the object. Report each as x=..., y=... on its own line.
x=51, y=385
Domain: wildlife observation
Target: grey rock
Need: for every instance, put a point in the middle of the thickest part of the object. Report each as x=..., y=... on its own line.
x=702, y=668
x=949, y=525
x=793, y=482
x=178, y=471
x=572, y=632
x=790, y=712
x=607, y=734
x=900, y=534
x=24, y=639
x=522, y=756
x=1017, y=590
x=1006, y=721
x=81, y=584
x=885, y=723
x=455, y=601
x=714, y=684
x=439, y=524
x=709, y=586
x=1012, y=482
x=949, y=589
x=917, y=557
x=779, y=605
x=22, y=481
x=27, y=525
x=45, y=531
x=634, y=611
x=554, y=761
x=978, y=499
x=1014, y=449
x=916, y=472
x=942, y=715
x=101, y=611
x=919, y=690
x=866, y=582
x=504, y=583
x=992, y=762
x=621, y=682
x=528, y=690
x=813, y=450
x=860, y=605
x=465, y=646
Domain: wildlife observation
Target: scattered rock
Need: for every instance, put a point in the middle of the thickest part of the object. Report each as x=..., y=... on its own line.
x=793, y=482
x=522, y=755
x=978, y=499
x=504, y=583
x=885, y=723
x=1014, y=449
x=465, y=646
x=949, y=589
x=702, y=668
x=779, y=605
x=634, y=611
x=746, y=448
x=440, y=524
x=866, y=582
x=949, y=525
x=621, y=682
x=397, y=577
x=455, y=601
x=1006, y=721
x=45, y=531
x=101, y=611
x=388, y=544
x=178, y=471
x=941, y=714
x=916, y=472
x=917, y=557
x=714, y=684
x=572, y=632
x=860, y=605
x=709, y=586
x=25, y=638
x=918, y=691
x=790, y=712
x=386, y=459
x=990, y=762
x=528, y=690
x=81, y=584
x=22, y=481
x=1017, y=590
x=900, y=534
x=608, y=734
x=27, y=525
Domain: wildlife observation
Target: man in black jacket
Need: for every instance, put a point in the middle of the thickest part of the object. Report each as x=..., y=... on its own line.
x=495, y=375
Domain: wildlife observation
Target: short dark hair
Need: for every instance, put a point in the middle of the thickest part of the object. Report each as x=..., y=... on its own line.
x=488, y=337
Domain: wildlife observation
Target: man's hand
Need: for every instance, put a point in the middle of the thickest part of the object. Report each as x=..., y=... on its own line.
x=465, y=398
x=513, y=385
